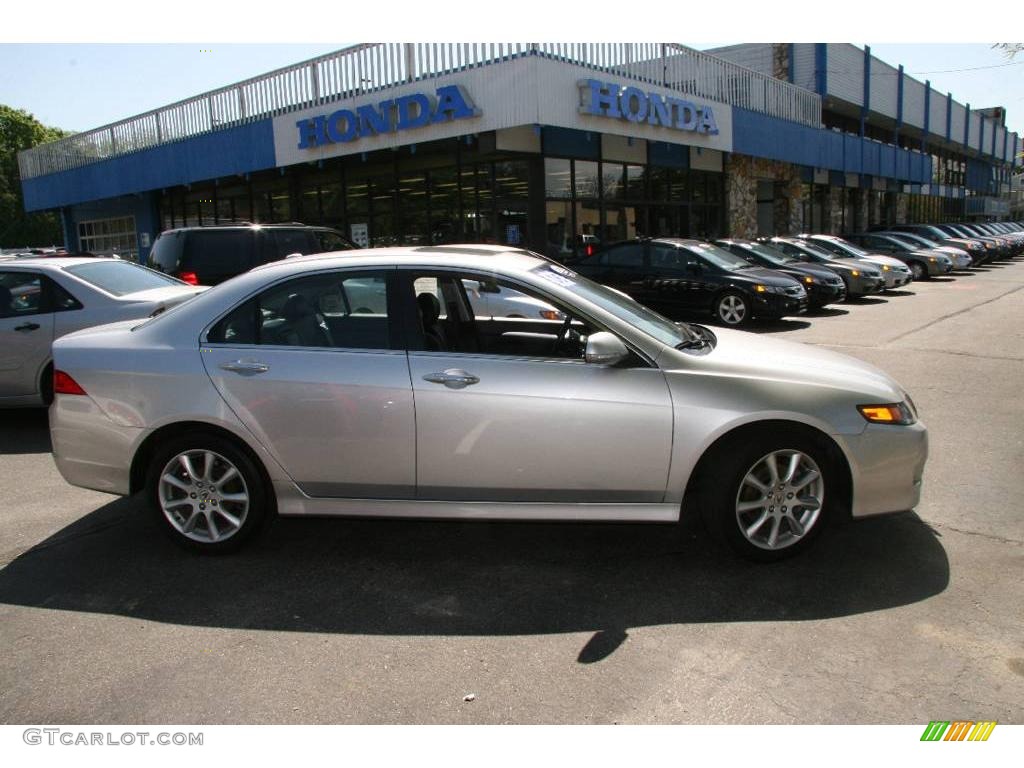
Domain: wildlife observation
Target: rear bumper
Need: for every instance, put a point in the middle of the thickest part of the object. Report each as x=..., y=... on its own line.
x=89, y=449
x=886, y=465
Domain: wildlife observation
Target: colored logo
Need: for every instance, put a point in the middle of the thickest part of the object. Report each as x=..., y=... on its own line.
x=413, y=111
x=958, y=730
x=637, y=106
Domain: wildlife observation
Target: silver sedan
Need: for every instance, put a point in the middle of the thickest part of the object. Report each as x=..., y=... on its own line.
x=42, y=299
x=365, y=385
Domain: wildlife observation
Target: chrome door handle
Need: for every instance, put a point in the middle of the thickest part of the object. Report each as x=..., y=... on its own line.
x=245, y=366
x=26, y=327
x=453, y=378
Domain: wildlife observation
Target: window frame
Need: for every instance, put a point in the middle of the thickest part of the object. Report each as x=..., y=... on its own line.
x=395, y=321
x=408, y=274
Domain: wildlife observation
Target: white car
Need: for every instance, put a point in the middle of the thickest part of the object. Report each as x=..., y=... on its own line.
x=42, y=299
x=895, y=272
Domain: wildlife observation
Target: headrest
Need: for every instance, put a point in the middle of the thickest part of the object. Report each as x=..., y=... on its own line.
x=297, y=307
x=430, y=308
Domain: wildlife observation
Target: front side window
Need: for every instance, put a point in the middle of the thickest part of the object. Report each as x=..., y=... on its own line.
x=345, y=310
x=477, y=314
x=21, y=293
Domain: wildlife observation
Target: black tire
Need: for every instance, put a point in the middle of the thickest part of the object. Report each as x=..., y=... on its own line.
x=723, y=486
x=46, y=385
x=732, y=309
x=249, y=481
x=918, y=270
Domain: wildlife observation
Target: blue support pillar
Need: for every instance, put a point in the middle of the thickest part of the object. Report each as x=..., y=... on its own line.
x=927, y=114
x=821, y=69
x=866, y=99
x=967, y=125
x=949, y=117
x=899, y=106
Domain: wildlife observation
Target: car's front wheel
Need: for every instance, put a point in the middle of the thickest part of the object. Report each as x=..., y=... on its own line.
x=206, y=493
x=918, y=270
x=732, y=308
x=769, y=497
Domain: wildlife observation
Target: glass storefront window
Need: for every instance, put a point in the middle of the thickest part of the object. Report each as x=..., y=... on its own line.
x=512, y=180
x=557, y=178
x=332, y=204
x=635, y=182
x=586, y=179
x=444, y=206
x=513, y=224
x=310, y=206
x=613, y=181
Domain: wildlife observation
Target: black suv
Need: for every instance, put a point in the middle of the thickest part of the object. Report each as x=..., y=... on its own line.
x=676, y=276
x=211, y=255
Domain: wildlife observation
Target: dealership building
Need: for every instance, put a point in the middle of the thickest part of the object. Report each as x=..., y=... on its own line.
x=554, y=147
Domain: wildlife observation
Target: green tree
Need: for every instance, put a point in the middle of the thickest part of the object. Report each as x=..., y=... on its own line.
x=19, y=130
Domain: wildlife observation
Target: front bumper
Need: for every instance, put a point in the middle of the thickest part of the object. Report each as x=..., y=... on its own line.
x=863, y=286
x=779, y=305
x=887, y=466
x=894, y=279
x=821, y=294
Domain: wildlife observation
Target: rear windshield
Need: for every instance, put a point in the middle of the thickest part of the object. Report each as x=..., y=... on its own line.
x=121, y=277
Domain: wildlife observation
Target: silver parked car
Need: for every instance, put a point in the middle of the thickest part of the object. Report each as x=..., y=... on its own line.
x=895, y=272
x=363, y=384
x=42, y=299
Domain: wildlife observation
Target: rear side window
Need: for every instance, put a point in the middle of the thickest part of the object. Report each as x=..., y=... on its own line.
x=631, y=255
x=166, y=252
x=220, y=252
x=285, y=242
x=328, y=240
x=121, y=277
x=343, y=310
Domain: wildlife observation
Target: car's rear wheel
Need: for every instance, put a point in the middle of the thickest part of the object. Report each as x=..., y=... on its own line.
x=732, y=308
x=769, y=497
x=206, y=493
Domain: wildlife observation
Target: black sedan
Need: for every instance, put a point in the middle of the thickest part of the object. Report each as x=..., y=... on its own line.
x=822, y=284
x=675, y=276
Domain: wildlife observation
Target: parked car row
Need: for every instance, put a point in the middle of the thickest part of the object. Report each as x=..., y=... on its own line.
x=737, y=280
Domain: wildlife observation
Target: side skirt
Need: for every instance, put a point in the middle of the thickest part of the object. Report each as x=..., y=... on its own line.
x=290, y=504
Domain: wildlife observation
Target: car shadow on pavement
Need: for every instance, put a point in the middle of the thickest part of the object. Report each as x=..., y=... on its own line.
x=899, y=292
x=827, y=311
x=457, y=578
x=24, y=430
x=865, y=300
x=777, y=326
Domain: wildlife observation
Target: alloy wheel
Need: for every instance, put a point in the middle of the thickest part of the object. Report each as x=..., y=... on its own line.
x=203, y=496
x=780, y=499
x=732, y=309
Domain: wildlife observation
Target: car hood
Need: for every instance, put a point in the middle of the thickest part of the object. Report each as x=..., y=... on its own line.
x=889, y=261
x=740, y=353
x=764, y=275
x=854, y=263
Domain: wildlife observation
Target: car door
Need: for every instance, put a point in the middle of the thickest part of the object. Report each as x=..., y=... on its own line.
x=315, y=369
x=26, y=331
x=503, y=413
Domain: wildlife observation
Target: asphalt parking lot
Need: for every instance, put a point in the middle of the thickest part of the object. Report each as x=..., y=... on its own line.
x=903, y=619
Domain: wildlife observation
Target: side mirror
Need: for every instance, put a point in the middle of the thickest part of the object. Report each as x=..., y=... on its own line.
x=604, y=348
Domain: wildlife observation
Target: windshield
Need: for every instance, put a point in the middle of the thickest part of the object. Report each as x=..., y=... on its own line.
x=814, y=250
x=720, y=257
x=772, y=256
x=121, y=277
x=618, y=304
x=847, y=249
x=922, y=242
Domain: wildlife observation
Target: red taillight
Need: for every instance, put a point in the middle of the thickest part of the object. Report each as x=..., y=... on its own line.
x=189, y=277
x=63, y=384
x=590, y=250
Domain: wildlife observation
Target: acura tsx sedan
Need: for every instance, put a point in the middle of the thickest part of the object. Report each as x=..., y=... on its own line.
x=363, y=384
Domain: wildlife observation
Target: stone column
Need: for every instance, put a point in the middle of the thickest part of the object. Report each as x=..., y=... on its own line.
x=902, y=207
x=741, y=197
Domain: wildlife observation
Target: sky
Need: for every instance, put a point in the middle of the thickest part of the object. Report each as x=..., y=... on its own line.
x=87, y=85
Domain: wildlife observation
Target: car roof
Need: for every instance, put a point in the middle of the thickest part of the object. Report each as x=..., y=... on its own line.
x=247, y=225
x=464, y=256
x=56, y=262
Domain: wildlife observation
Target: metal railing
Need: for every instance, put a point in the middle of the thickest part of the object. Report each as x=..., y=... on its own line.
x=370, y=67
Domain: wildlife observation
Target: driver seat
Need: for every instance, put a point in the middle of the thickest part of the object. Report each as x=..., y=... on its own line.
x=430, y=314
